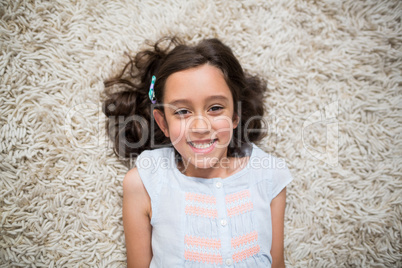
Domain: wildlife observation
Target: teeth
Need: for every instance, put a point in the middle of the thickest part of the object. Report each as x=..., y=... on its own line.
x=202, y=145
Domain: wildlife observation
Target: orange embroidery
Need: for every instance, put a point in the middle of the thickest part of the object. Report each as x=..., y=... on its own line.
x=238, y=203
x=207, y=250
x=244, y=239
x=247, y=253
x=201, y=205
x=201, y=198
x=200, y=211
x=240, y=209
x=202, y=242
x=203, y=257
x=202, y=249
x=237, y=196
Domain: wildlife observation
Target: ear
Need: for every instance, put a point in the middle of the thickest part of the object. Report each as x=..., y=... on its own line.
x=161, y=121
x=236, y=120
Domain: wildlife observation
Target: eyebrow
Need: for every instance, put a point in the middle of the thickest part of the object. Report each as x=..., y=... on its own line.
x=213, y=97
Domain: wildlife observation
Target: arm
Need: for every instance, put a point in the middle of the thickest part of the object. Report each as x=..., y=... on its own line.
x=136, y=221
x=278, y=217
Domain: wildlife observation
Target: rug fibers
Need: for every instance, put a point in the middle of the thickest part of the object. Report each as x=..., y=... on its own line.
x=333, y=112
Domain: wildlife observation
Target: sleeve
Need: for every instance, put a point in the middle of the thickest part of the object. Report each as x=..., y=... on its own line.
x=281, y=177
x=146, y=164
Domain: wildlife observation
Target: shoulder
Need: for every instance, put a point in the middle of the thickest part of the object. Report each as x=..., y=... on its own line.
x=135, y=194
x=273, y=169
x=151, y=169
x=151, y=164
x=132, y=181
x=265, y=161
x=149, y=158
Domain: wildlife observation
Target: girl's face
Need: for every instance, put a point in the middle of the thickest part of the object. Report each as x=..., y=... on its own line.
x=198, y=117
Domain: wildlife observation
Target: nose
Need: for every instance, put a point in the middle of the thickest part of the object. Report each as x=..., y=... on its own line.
x=200, y=124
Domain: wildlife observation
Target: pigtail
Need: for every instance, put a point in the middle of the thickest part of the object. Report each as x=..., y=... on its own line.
x=128, y=107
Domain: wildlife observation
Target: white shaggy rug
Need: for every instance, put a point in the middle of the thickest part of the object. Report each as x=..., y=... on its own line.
x=334, y=113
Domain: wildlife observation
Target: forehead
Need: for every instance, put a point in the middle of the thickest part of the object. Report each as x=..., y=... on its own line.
x=196, y=84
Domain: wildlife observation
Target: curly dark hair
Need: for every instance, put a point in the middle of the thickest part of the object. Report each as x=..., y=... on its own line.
x=129, y=110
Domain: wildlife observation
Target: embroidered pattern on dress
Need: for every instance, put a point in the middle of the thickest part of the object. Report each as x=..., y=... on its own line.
x=236, y=196
x=202, y=242
x=238, y=203
x=243, y=240
x=203, y=257
x=201, y=205
x=246, y=246
x=201, y=249
x=203, y=212
x=207, y=250
x=209, y=199
x=247, y=253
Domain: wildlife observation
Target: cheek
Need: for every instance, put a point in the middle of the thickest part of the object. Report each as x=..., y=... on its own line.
x=177, y=129
x=223, y=126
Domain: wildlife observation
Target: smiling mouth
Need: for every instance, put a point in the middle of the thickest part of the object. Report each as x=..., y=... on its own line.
x=202, y=145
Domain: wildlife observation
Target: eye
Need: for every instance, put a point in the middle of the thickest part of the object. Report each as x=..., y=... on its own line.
x=181, y=112
x=216, y=108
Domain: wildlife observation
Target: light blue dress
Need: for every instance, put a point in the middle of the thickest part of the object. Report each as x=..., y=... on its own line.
x=198, y=222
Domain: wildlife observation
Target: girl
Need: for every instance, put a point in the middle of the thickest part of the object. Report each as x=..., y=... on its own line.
x=202, y=194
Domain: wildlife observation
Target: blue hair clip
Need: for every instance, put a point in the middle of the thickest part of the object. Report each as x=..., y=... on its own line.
x=151, y=93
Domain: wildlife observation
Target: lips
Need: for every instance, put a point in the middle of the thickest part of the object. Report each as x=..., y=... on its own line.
x=202, y=144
